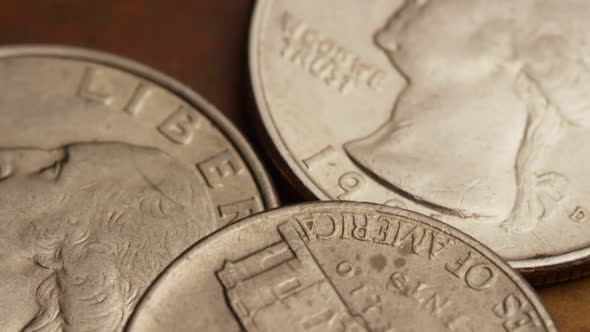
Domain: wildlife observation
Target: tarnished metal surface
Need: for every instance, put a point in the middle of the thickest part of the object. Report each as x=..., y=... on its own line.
x=340, y=266
x=108, y=171
x=209, y=55
x=467, y=111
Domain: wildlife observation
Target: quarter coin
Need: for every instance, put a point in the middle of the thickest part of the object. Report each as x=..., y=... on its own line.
x=108, y=171
x=465, y=111
x=340, y=266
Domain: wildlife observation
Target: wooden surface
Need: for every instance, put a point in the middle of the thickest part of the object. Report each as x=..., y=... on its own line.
x=202, y=43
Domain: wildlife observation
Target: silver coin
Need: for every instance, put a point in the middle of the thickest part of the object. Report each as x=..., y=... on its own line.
x=340, y=266
x=463, y=110
x=108, y=171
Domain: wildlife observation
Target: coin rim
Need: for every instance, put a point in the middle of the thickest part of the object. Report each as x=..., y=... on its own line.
x=303, y=181
x=244, y=149
x=287, y=211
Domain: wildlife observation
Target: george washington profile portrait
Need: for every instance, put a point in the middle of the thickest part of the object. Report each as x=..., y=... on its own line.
x=493, y=88
x=86, y=228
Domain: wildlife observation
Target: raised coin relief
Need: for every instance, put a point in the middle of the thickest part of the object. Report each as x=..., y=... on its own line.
x=515, y=312
x=490, y=94
x=95, y=88
x=179, y=126
x=218, y=168
x=476, y=275
x=138, y=100
x=98, y=86
x=319, y=157
x=282, y=285
x=87, y=227
x=237, y=210
x=100, y=187
x=579, y=215
x=325, y=59
x=427, y=299
x=350, y=183
x=339, y=266
x=375, y=228
x=286, y=285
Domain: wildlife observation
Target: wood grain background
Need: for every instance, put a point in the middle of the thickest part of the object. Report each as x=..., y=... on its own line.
x=202, y=43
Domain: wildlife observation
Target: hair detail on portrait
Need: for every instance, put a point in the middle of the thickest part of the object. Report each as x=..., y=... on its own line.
x=49, y=316
x=102, y=220
x=491, y=87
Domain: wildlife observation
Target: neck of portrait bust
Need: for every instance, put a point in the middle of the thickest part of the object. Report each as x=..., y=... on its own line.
x=449, y=96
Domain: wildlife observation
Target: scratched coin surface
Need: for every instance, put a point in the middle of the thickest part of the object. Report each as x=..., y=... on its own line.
x=108, y=171
x=340, y=266
x=468, y=111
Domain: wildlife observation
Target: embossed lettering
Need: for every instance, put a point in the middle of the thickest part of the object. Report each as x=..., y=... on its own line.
x=294, y=30
x=359, y=226
x=346, y=227
x=359, y=289
x=438, y=244
x=415, y=237
x=334, y=225
x=400, y=283
x=345, y=269
x=321, y=226
x=428, y=299
x=376, y=228
x=515, y=313
x=579, y=215
x=316, y=158
x=179, y=126
x=138, y=99
x=384, y=233
x=435, y=304
x=307, y=223
x=93, y=89
x=477, y=276
x=350, y=183
x=324, y=59
x=238, y=210
x=219, y=167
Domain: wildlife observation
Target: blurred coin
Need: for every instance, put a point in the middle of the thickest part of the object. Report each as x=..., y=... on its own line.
x=108, y=171
x=340, y=266
x=463, y=110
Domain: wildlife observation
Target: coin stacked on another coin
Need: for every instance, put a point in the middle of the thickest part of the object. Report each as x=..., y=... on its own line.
x=123, y=192
x=340, y=266
x=463, y=110
x=109, y=170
